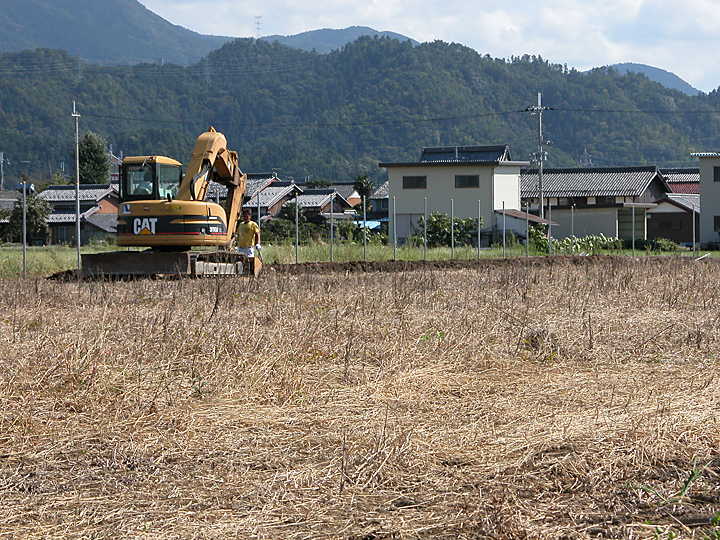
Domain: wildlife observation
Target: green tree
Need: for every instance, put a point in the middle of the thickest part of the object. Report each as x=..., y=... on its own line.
x=37, y=212
x=319, y=184
x=94, y=159
x=364, y=186
x=439, y=233
x=57, y=179
x=287, y=212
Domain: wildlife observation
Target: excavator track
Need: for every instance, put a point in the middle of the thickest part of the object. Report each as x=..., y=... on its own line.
x=169, y=263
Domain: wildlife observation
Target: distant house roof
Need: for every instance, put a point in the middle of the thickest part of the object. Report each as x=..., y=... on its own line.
x=272, y=194
x=590, y=182
x=66, y=193
x=519, y=214
x=319, y=198
x=685, y=180
x=8, y=198
x=383, y=192
x=346, y=190
x=467, y=155
x=684, y=201
x=473, y=154
x=104, y=222
x=255, y=182
x=62, y=218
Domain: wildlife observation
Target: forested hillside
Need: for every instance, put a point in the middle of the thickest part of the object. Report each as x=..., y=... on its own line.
x=107, y=32
x=335, y=116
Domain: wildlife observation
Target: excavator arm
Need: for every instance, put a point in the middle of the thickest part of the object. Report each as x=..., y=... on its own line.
x=211, y=160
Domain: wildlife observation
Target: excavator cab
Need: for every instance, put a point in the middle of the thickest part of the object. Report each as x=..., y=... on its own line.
x=149, y=178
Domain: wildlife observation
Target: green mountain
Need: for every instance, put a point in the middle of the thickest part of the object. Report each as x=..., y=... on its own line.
x=107, y=32
x=327, y=39
x=667, y=79
x=334, y=116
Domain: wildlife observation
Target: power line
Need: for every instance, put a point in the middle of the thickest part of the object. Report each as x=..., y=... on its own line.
x=313, y=125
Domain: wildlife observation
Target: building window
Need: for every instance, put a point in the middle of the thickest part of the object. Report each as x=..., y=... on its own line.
x=467, y=180
x=414, y=182
x=668, y=224
x=716, y=174
x=716, y=223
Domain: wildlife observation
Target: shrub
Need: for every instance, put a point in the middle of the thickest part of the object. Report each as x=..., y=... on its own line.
x=439, y=231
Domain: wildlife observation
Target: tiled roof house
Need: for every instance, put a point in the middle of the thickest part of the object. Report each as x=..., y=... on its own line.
x=590, y=201
x=98, y=212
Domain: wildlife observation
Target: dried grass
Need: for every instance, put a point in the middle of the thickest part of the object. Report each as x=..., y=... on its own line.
x=552, y=400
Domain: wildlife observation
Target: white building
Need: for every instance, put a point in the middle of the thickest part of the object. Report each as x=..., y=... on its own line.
x=464, y=175
x=709, y=197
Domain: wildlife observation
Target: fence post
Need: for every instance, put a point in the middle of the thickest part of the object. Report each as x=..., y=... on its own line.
x=452, y=228
x=425, y=217
x=549, y=228
x=693, y=228
x=24, y=226
x=478, y=225
x=572, y=230
x=504, y=231
x=394, y=239
x=527, y=230
x=297, y=230
x=633, y=230
x=332, y=226
x=364, y=230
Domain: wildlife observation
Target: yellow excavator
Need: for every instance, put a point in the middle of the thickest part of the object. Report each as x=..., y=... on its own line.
x=165, y=211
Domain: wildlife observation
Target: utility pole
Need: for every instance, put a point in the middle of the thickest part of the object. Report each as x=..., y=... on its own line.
x=77, y=184
x=541, y=155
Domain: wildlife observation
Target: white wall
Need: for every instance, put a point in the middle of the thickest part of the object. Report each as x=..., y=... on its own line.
x=506, y=187
x=497, y=183
x=709, y=199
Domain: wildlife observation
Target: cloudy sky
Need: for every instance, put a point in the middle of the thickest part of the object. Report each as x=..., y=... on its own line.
x=681, y=37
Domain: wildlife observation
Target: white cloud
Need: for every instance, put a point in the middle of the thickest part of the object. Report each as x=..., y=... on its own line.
x=678, y=37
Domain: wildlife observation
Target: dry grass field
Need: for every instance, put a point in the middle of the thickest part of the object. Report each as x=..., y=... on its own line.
x=550, y=398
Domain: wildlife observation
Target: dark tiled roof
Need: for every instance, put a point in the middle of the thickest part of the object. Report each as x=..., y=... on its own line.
x=589, y=182
x=255, y=182
x=346, y=190
x=465, y=154
x=317, y=198
x=88, y=192
x=104, y=222
x=59, y=218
